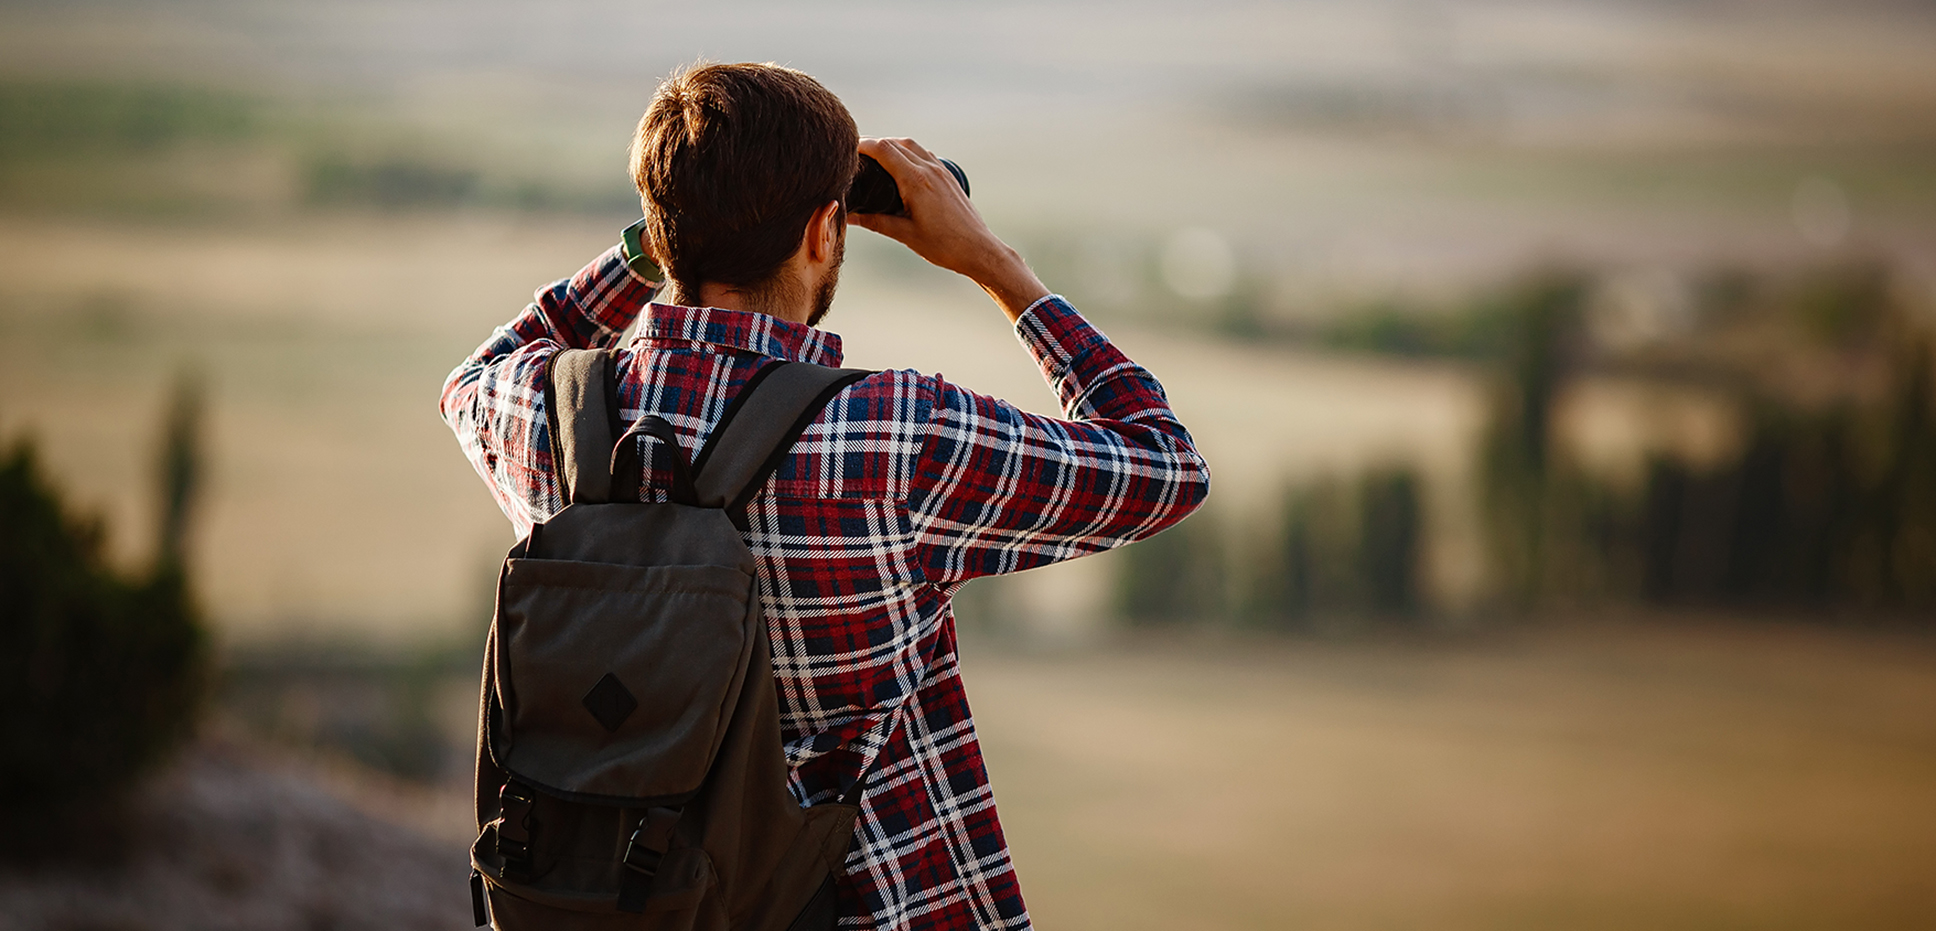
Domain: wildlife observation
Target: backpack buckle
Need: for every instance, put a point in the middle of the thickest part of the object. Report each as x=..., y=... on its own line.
x=643, y=854
x=514, y=830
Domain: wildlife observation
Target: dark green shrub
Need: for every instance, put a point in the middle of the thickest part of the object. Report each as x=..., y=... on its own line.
x=100, y=673
x=1316, y=567
x=1343, y=552
x=1389, y=518
x=1176, y=576
x=1821, y=509
x=1522, y=490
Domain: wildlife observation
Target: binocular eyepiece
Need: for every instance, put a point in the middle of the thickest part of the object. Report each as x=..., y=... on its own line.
x=874, y=191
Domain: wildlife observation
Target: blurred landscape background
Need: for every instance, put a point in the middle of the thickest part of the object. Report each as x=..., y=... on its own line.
x=1565, y=370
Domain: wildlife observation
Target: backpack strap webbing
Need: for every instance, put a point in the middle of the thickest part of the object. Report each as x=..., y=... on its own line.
x=759, y=427
x=581, y=404
x=749, y=443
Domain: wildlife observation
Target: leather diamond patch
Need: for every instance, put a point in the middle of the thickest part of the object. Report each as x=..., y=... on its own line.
x=610, y=702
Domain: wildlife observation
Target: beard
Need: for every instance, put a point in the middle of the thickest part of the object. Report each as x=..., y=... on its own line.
x=823, y=293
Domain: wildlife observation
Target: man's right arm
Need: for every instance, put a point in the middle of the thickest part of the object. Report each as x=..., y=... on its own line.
x=494, y=401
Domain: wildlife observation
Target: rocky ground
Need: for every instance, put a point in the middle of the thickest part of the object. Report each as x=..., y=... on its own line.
x=230, y=839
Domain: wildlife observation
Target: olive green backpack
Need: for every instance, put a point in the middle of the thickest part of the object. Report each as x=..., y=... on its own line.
x=629, y=767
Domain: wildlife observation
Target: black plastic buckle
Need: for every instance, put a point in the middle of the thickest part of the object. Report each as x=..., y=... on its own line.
x=643, y=853
x=514, y=793
x=514, y=830
x=642, y=858
x=650, y=841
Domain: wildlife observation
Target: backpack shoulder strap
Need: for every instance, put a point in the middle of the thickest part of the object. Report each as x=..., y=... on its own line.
x=581, y=404
x=760, y=426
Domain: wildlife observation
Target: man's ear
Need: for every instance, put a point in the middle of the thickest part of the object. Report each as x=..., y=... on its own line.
x=823, y=232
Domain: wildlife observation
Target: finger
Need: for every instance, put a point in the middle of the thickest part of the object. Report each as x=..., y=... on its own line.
x=931, y=175
x=922, y=151
x=892, y=157
x=917, y=153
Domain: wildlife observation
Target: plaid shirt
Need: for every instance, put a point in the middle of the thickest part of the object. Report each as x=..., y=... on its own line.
x=903, y=489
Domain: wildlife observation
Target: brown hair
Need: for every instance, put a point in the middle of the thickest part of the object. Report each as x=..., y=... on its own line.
x=732, y=161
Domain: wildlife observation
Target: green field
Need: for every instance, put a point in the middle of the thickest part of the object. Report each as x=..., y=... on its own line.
x=1682, y=774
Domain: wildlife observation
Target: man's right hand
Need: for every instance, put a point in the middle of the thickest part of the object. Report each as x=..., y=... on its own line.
x=944, y=228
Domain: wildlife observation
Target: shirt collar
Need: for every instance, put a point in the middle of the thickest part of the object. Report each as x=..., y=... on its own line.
x=738, y=329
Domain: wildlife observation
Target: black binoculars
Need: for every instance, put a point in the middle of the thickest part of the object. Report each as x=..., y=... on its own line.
x=874, y=191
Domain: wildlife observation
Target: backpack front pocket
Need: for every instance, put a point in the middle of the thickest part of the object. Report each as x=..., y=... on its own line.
x=617, y=682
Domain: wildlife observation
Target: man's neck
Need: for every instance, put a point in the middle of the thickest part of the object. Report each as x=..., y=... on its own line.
x=748, y=300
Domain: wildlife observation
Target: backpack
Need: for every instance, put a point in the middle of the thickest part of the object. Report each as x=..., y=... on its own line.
x=629, y=767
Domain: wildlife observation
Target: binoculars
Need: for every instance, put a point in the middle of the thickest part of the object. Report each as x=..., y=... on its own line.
x=874, y=191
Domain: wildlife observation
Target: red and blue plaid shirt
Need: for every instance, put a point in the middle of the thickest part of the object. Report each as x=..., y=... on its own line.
x=904, y=488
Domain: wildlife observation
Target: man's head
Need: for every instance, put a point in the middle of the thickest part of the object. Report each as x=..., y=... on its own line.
x=733, y=163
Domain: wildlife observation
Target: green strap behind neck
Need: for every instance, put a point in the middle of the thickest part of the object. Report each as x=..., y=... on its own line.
x=634, y=253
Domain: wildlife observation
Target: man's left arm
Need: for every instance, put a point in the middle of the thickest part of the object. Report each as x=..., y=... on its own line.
x=494, y=401
x=998, y=489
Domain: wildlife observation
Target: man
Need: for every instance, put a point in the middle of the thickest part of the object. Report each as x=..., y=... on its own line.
x=903, y=489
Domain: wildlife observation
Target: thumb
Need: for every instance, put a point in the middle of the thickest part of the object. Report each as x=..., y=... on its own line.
x=893, y=227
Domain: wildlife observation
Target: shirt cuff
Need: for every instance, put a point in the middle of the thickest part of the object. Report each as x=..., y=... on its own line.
x=601, y=301
x=1056, y=335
